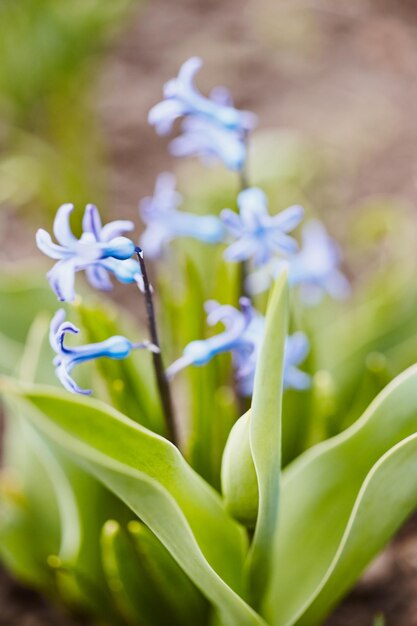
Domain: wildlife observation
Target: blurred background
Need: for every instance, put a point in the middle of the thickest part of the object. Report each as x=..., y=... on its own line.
x=334, y=86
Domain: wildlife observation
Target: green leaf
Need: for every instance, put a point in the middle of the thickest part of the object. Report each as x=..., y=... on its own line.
x=152, y=478
x=146, y=582
x=340, y=503
x=265, y=437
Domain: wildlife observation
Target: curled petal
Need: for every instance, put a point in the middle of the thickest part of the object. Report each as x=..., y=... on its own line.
x=63, y=375
x=46, y=245
x=62, y=229
x=164, y=114
x=55, y=324
x=115, y=229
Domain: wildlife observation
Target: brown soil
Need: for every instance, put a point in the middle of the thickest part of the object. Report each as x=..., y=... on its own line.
x=344, y=74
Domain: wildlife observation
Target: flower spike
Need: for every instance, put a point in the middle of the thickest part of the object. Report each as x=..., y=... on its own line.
x=99, y=250
x=116, y=347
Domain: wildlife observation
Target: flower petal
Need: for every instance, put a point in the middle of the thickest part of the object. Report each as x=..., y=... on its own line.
x=92, y=221
x=62, y=228
x=61, y=279
x=116, y=229
x=289, y=218
x=46, y=245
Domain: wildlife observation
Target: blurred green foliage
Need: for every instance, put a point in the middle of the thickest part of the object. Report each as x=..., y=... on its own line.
x=50, y=51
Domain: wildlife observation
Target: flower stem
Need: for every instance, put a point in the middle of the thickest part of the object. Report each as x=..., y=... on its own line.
x=161, y=378
x=243, y=184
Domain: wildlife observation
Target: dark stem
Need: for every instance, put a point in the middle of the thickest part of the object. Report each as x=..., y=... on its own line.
x=161, y=379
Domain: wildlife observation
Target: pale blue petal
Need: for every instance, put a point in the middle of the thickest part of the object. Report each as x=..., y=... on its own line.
x=232, y=222
x=164, y=114
x=92, y=221
x=46, y=245
x=62, y=229
x=253, y=207
x=289, y=218
x=296, y=379
x=241, y=250
x=69, y=383
x=154, y=239
x=116, y=229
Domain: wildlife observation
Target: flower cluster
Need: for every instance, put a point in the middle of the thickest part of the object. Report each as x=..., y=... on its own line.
x=99, y=251
x=243, y=336
x=212, y=127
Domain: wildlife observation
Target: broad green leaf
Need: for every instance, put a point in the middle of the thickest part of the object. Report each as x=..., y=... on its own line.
x=152, y=478
x=146, y=582
x=340, y=503
x=65, y=507
x=265, y=437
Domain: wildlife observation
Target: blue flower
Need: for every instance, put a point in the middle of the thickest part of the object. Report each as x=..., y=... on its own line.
x=315, y=269
x=243, y=338
x=258, y=235
x=209, y=141
x=182, y=98
x=100, y=249
x=232, y=339
x=116, y=347
x=165, y=223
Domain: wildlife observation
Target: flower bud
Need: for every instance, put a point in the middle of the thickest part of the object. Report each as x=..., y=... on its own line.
x=239, y=481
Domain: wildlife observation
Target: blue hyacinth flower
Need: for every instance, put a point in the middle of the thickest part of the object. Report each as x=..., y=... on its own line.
x=243, y=338
x=232, y=339
x=315, y=269
x=99, y=250
x=182, y=99
x=116, y=347
x=164, y=222
x=258, y=235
